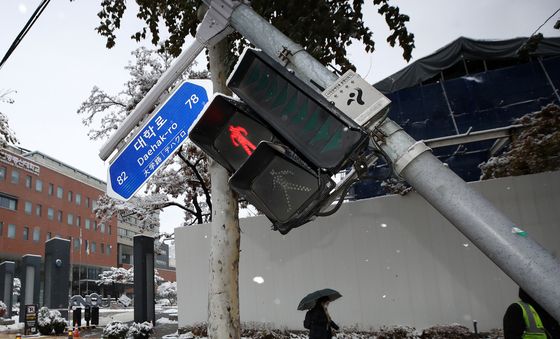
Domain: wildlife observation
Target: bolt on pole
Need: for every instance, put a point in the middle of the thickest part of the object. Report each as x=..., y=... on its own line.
x=521, y=258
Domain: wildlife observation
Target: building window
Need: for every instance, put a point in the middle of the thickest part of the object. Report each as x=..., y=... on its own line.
x=59, y=192
x=87, y=202
x=95, y=225
x=109, y=229
x=59, y=216
x=8, y=202
x=28, y=207
x=36, y=234
x=93, y=246
x=38, y=185
x=26, y=233
x=87, y=224
x=38, y=210
x=50, y=213
x=102, y=248
x=109, y=249
x=28, y=181
x=15, y=176
x=78, y=219
x=11, y=231
x=51, y=189
x=70, y=219
x=49, y=235
x=76, y=244
x=93, y=205
x=102, y=227
x=2, y=173
x=78, y=198
x=87, y=246
x=69, y=196
x=1, y=229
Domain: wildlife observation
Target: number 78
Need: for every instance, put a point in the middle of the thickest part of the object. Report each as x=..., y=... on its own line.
x=192, y=100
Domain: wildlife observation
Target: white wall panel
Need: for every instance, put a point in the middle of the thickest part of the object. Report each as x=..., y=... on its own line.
x=395, y=260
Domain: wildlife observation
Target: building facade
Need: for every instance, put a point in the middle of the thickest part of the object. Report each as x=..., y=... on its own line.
x=42, y=198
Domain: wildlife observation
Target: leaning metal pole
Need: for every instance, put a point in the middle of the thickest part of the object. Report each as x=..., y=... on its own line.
x=521, y=258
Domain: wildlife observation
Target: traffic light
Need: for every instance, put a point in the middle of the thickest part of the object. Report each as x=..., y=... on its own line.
x=227, y=132
x=310, y=125
x=280, y=185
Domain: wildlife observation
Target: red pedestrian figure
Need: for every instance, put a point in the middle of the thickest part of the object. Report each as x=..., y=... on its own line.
x=238, y=137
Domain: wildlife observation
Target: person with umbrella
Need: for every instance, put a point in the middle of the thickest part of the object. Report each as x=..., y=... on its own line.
x=317, y=319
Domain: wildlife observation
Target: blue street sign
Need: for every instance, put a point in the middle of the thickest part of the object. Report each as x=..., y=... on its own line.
x=156, y=142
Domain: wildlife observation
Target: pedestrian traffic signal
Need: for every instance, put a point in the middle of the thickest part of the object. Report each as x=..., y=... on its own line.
x=279, y=184
x=310, y=125
x=228, y=132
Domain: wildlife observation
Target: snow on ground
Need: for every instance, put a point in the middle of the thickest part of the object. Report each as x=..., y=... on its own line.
x=171, y=310
x=113, y=310
x=16, y=327
x=162, y=321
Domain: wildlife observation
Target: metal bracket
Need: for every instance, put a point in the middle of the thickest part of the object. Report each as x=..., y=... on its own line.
x=413, y=152
x=215, y=25
x=285, y=55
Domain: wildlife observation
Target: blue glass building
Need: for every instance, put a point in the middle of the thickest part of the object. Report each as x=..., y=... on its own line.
x=467, y=86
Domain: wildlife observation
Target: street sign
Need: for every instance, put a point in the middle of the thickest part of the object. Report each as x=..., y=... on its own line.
x=156, y=142
x=357, y=99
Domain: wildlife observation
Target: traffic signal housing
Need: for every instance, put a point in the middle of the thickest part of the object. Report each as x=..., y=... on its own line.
x=311, y=126
x=228, y=132
x=281, y=186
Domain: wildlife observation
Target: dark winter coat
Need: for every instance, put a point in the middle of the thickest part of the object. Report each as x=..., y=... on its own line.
x=317, y=322
x=514, y=324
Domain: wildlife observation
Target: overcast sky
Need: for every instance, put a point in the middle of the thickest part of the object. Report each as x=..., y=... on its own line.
x=62, y=58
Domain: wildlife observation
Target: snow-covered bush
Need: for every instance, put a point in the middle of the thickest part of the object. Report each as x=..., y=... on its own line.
x=44, y=323
x=396, y=332
x=168, y=290
x=140, y=331
x=3, y=309
x=454, y=331
x=115, y=330
x=48, y=320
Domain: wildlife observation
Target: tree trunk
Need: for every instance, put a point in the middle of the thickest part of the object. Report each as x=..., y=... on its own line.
x=223, y=290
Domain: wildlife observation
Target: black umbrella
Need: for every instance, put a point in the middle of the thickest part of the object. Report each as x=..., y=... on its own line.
x=309, y=301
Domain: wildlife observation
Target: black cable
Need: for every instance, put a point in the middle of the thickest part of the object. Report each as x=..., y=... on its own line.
x=339, y=203
x=24, y=31
x=550, y=17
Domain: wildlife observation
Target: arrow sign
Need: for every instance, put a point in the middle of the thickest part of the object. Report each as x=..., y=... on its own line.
x=158, y=139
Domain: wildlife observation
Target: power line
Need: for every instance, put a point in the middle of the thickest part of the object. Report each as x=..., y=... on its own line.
x=544, y=23
x=24, y=31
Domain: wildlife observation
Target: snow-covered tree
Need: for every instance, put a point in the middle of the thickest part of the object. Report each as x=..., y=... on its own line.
x=116, y=275
x=168, y=290
x=17, y=287
x=534, y=148
x=120, y=275
x=7, y=136
x=183, y=182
